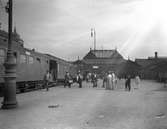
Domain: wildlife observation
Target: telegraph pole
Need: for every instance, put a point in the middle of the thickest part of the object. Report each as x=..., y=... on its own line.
x=9, y=100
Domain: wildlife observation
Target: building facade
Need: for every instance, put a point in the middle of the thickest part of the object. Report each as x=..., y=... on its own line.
x=100, y=61
x=153, y=67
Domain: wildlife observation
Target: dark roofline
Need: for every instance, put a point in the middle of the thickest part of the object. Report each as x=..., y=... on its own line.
x=151, y=58
x=57, y=58
x=104, y=50
x=161, y=57
x=91, y=53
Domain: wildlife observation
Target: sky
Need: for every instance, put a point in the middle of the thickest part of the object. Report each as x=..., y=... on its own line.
x=137, y=28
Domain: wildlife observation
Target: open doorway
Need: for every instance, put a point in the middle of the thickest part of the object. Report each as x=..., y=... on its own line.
x=53, y=69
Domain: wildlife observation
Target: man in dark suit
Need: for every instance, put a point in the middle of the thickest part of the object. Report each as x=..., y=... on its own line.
x=128, y=83
x=94, y=80
x=79, y=79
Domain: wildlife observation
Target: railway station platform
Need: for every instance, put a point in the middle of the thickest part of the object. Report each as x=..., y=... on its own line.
x=89, y=108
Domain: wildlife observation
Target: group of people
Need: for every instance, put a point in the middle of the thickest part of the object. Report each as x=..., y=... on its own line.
x=92, y=77
x=69, y=79
x=109, y=80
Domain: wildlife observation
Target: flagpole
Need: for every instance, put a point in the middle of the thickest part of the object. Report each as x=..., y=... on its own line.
x=93, y=35
x=94, y=39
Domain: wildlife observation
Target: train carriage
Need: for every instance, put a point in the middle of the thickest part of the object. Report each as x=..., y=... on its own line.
x=59, y=67
x=31, y=65
x=31, y=68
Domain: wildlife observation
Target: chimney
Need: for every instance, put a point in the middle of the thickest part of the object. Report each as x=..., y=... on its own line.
x=156, y=55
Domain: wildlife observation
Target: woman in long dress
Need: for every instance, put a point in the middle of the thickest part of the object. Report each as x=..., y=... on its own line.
x=113, y=81
x=109, y=82
x=137, y=81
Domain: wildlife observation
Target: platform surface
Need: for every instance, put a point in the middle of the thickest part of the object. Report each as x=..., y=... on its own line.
x=90, y=108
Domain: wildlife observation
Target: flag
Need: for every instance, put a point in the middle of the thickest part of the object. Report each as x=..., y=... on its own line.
x=91, y=32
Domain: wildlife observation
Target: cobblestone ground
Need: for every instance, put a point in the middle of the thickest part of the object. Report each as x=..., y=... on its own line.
x=90, y=108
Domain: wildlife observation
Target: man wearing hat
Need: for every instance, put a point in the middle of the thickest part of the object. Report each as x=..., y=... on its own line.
x=79, y=79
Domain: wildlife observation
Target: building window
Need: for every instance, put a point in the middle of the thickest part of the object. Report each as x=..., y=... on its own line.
x=5, y=40
x=30, y=60
x=22, y=58
x=2, y=56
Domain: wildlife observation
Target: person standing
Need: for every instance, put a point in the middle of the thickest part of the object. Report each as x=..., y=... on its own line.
x=47, y=79
x=87, y=77
x=104, y=80
x=128, y=83
x=137, y=81
x=79, y=79
x=68, y=80
x=109, y=81
x=113, y=80
x=94, y=79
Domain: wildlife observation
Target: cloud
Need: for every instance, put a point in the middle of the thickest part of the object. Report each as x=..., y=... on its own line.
x=62, y=27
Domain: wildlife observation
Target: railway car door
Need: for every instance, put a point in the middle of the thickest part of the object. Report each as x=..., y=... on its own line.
x=53, y=69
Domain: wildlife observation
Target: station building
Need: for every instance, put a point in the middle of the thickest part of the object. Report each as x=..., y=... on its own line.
x=100, y=61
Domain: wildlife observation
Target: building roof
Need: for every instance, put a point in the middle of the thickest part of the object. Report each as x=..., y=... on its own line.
x=144, y=62
x=128, y=67
x=78, y=62
x=149, y=61
x=94, y=54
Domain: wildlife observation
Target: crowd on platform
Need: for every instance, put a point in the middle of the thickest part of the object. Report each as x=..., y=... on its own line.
x=110, y=80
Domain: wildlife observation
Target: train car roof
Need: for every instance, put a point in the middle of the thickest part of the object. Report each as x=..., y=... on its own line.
x=19, y=42
x=34, y=52
x=58, y=59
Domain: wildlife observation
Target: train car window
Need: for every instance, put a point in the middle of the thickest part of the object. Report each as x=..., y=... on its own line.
x=5, y=40
x=30, y=60
x=15, y=54
x=2, y=60
x=39, y=60
x=2, y=52
x=22, y=58
x=2, y=56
